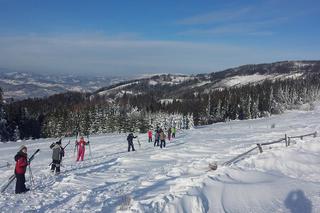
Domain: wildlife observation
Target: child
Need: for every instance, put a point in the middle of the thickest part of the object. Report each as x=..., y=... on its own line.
x=57, y=154
x=150, y=136
x=21, y=159
x=81, y=148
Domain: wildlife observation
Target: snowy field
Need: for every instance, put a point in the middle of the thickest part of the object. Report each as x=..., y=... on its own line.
x=176, y=179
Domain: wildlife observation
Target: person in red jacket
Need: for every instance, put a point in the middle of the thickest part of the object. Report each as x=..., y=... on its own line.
x=150, y=135
x=81, y=148
x=21, y=159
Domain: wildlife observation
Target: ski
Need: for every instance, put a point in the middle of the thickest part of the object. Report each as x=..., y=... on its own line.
x=5, y=165
x=13, y=177
x=5, y=186
x=89, y=146
x=75, y=146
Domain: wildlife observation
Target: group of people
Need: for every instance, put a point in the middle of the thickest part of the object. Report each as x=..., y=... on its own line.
x=159, y=137
x=58, y=153
x=22, y=161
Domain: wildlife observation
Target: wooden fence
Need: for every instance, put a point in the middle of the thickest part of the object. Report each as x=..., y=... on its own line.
x=259, y=146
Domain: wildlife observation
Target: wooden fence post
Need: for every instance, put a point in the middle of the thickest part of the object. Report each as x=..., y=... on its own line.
x=289, y=139
x=315, y=134
x=286, y=139
x=260, y=147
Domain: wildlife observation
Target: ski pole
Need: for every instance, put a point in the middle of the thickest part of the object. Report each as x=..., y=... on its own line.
x=75, y=145
x=30, y=172
x=31, y=176
x=139, y=141
x=89, y=147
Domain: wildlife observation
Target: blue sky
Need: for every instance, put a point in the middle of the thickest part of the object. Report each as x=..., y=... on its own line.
x=144, y=37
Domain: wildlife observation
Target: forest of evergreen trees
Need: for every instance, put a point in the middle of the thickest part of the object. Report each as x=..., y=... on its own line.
x=69, y=113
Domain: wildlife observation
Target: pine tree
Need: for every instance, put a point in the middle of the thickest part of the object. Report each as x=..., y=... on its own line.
x=16, y=134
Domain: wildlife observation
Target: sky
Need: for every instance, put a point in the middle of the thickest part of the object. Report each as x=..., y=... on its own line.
x=135, y=37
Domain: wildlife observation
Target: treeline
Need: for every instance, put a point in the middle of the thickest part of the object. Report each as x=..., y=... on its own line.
x=244, y=102
x=69, y=113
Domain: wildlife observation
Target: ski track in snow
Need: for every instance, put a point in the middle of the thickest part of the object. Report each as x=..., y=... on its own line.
x=176, y=179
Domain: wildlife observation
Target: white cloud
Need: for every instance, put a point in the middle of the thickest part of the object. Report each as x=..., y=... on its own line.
x=216, y=16
x=254, y=20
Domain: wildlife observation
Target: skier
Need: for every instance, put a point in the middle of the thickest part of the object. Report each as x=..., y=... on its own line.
x=57, y=154
x=174, y=130
x=162, y=139
x=21, y=159
x=130, y=141
x=169, y=134
x=81, y=148
x=156, y=138
x=150, y=135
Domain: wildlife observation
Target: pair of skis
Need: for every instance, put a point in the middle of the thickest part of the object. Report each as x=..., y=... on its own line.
x=13, y=177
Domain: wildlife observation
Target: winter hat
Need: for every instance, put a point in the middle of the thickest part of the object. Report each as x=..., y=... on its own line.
x=59, y=142
x=22, y=147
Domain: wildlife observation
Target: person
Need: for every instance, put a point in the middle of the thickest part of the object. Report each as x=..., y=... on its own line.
x=174, y=130
x=130, y=142
x=156, y=137
x=150, y=135
x=21, y=159
x=81, y=144
x=169, y=134
x=162, y=139
x=57, y=154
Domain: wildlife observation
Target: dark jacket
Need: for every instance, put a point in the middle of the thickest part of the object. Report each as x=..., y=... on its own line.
x=130, y=138
x=21, y=163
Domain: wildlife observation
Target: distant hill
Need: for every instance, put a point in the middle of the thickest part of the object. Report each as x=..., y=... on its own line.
x=19, y=85
x=176, y=86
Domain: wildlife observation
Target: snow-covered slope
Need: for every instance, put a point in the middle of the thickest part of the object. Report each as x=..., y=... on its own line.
x=176, y=179
x=176, y=86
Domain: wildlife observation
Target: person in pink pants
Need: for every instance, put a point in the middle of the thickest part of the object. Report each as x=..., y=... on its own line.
x=81, y=144
x=150, y=136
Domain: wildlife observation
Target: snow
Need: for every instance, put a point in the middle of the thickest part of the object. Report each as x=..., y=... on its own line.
x=241, y=80
x=106, y=92
x=153, y=83
x=200, y=84
x=287, y=76
x=76, y=89
x=244, y=79
x=166, y=101
x=176, y=179
x=12, y=82
x=180, y=79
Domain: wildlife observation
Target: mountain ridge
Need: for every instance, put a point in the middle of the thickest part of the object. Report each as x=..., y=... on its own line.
x=19, y=86
x=178, y=85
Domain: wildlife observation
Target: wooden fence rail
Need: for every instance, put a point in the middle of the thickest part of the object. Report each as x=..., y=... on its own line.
x=259, y=146
x=229, y=162
x=314, y=134
x=273, y=142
